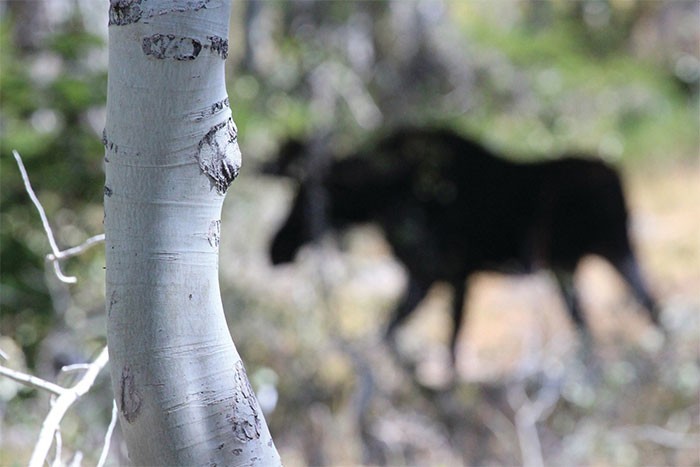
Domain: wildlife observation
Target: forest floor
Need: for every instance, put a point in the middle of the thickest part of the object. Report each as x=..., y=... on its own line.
x=640, y=408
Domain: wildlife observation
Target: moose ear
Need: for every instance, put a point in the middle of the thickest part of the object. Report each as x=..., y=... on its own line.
x=288, y=162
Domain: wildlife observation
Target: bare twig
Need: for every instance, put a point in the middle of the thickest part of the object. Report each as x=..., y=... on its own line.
x=531, y=410
x=499, y=424
x=59, y=449
x=44, y=219
x=659, y=435
x=56, y=254
x=76, y=250
x=527, y=413
x=62, y=404
x=75, y=367
x=32, y=381
x=66, y=396
x=77, y=459
x=108, y=436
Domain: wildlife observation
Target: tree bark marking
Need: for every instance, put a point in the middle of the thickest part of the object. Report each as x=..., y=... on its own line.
x=130, y=399
x=214, y=234
x=163, y=46
x=109, y=145
x=124, y=12
x=184, y=48
x=113, y=300
x=218, y=45
x=209, y=111
x=245, y=419
x=219, y=156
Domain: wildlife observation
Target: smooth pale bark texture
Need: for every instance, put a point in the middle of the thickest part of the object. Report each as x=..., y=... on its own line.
x=171, y=153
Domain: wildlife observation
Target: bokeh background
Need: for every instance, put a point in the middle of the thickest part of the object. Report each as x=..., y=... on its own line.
x=528, y=78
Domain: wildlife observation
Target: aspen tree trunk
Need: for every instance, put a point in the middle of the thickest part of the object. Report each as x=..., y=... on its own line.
x=171, y=153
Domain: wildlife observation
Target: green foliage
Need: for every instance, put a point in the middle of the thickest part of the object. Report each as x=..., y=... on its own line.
x=51, y=102
x=587, y=89
x=535, y=78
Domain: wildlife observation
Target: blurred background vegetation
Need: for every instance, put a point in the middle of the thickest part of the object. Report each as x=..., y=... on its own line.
x=530, y=78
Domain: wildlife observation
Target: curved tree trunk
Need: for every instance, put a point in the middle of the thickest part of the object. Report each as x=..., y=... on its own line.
x=171, y=153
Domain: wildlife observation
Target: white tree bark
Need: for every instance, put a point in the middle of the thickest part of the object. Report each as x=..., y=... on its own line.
x=171, y=153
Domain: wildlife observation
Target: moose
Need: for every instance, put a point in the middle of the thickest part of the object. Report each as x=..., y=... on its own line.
x=450, y=207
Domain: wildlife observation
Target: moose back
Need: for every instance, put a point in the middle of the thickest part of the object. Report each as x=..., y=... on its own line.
x=449, y=207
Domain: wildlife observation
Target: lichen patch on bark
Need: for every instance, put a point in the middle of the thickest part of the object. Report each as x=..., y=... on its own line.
x=218, y=155
x=244, y=419
x=129, y=397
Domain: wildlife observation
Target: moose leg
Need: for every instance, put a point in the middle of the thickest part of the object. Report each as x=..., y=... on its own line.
x=565, y=279
x=629, y=269
x=460, y=290
x=415, y=292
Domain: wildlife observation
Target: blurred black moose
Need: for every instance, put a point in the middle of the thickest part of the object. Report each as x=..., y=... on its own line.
x=449, y=207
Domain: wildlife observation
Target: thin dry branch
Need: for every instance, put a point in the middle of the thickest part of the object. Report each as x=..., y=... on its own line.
x=659, y=435
x=61, y=406
x=75, y=367
x=59, y=449
x=529, y=411
x=77, y=459
x=108, y=436
x=56, y=253
x=32, y=381
x=65, y=396
x=76, y=250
